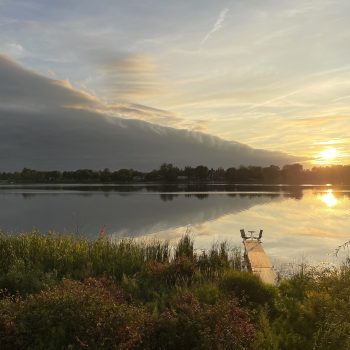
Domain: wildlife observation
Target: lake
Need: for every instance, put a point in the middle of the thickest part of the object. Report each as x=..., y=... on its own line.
x=299, y=222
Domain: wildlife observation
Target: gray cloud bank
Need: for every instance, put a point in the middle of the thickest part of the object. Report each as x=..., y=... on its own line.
x=46, y=124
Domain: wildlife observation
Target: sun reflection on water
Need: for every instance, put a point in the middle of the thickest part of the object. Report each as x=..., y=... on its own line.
x=329, y=198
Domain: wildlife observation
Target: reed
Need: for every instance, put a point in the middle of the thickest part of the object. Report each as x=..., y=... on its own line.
x=68, y=256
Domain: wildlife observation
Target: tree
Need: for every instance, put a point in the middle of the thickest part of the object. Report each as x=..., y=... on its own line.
x=168, y=172
x=105, y=175
x=231, y=174
x=201, y=172
x=271, y=174
x=292, y=173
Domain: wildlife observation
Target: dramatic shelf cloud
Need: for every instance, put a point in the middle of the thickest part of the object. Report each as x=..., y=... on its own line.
x=48, y=124
x=271, y=74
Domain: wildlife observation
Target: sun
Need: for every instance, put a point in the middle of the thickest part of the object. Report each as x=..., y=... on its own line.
x=328, y=154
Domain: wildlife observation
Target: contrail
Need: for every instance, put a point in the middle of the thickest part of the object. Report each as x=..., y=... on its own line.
x=218, y=24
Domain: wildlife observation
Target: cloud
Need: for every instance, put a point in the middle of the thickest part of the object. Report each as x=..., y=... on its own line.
x=257, y=68
x=130, y=77
x=217, y=25
x=13, y=49
x=22, y=89
x=319, y=121
x=138, y=111
x=26, y=90
x=153, y=115
x=48, y=124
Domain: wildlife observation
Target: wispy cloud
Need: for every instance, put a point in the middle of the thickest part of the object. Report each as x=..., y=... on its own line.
x=218, y=24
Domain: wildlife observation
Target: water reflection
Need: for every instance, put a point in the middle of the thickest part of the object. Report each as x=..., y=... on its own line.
x=124, y=213
x=200, y=189
x=297, y=220
x=329, y=198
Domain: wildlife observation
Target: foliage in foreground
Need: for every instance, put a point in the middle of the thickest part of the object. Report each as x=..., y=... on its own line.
x=61, y=292
x=93, y=314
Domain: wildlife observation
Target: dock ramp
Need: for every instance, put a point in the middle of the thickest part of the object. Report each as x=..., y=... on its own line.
x=258, y=262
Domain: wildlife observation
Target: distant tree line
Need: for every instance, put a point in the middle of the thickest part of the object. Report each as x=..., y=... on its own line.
x=290, y=174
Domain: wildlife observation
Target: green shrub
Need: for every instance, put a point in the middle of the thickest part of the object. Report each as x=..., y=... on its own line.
x=73, y=315
x=207, y=293
x=23, y=280
x=247, y=286
x=159, y=279
x=313, y=310
x=266, y=336
x=188, y=324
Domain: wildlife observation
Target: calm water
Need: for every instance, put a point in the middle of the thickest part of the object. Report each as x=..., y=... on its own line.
x=299, y=222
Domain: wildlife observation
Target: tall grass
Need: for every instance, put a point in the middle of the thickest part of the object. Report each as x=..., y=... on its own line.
x=78, y=258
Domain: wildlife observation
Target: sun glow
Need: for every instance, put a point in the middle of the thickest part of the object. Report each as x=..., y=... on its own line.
x=329, y=199
x=328, y=154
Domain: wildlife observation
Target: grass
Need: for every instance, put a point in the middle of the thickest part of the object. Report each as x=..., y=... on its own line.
x=64, y=292
x=67, y=256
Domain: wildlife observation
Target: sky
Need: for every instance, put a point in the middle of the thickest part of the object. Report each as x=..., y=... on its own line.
x=271, y=74
x=47, y=124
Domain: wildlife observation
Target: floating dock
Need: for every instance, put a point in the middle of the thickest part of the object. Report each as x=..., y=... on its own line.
x=258, y=262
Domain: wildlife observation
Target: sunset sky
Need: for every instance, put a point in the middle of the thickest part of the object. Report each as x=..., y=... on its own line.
x=272, y=74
